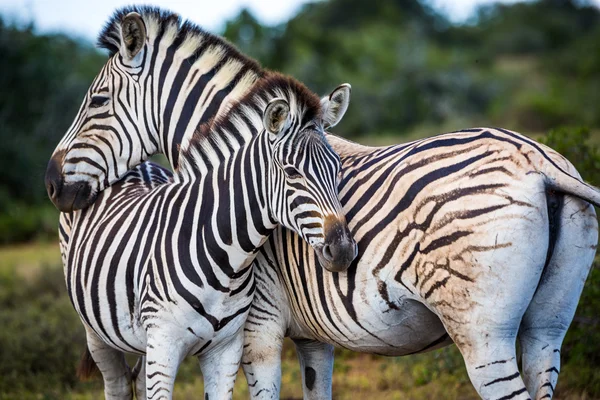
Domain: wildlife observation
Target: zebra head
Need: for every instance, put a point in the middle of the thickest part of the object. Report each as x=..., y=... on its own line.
x=305, y=173
x=110, y=134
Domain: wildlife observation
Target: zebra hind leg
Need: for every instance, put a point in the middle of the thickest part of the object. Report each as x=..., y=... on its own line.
x=551, y=311
x=316, y=364
x=114, y=368
x=138, y=374
x=492, y=366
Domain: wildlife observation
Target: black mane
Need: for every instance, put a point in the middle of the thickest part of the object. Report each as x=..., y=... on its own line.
x=109, y=37
x=266, y=88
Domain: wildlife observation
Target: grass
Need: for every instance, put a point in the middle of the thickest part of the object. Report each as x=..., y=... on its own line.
x=28, y=259
x=42, y=338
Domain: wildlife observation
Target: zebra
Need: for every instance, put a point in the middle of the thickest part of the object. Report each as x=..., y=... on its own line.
x=365, y=312
x=414, y=308
x=165, y=271
x=478, y=237
x=164, y=77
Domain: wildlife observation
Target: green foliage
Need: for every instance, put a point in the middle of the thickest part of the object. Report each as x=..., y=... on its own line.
x=42, y=82
x=23, y=222
x=41, y=337
x=575, y=145
x=530, y=66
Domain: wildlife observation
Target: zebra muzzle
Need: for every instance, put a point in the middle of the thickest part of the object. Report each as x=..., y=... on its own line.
x=339, y=248
x=66, y=197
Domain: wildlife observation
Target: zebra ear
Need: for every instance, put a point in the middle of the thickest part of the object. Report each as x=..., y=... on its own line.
x=276, y=115
x=133, y=35
x=335, y=105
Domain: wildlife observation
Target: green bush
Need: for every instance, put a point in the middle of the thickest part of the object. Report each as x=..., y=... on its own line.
x=575, y=144
x=22, y=222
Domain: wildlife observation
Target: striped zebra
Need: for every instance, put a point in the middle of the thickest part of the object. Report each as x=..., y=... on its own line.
x=430, y=301
x=472, y=237
x=478, y=237
x=164, y=270
x=163, y=79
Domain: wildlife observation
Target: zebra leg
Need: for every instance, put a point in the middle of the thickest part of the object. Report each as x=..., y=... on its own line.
x=492, y=366
x=139, y=376
x=112, y=365
x=262, y=363
x=220, y=366
x=164, y=353
x=265, y=330
x=316, y=364
x=483, y=316
x=551, y=311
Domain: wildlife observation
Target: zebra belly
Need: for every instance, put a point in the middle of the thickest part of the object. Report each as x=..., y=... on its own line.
x=411, y=329
x=352, y=310
x=116, y=326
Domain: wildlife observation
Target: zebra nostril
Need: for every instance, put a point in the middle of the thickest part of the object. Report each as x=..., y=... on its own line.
x=327, y=253
x=51, y=188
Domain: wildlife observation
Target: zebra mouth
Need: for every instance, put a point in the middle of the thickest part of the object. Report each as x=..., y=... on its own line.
x=74, y=196
x=67, y=196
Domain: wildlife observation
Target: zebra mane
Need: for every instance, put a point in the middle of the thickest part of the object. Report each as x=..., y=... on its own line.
x=160, y=22
x=215, y=139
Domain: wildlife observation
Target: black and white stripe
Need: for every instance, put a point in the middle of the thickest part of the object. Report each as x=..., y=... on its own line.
x=474, y=237
x=162, y=267
x=152, y=94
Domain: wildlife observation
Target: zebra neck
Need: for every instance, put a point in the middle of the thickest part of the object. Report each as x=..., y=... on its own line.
x=233, y=207
x=194, y=83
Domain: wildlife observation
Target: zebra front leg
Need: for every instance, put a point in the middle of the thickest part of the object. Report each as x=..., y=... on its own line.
x=264, y=332
x=262, y=360
x=164, y=353
x=220, y=366
x=112, y=365
x=316, y=364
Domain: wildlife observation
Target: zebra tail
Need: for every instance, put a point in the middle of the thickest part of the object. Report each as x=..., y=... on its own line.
x=87, y=367
x=560, y=181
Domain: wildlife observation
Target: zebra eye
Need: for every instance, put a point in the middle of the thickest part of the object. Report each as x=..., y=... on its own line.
x=98, y=101
x=292, y=172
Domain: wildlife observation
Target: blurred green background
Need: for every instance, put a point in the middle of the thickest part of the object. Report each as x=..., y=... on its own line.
x=533, y=67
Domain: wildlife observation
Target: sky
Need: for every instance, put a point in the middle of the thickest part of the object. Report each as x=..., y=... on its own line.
x=85, y=18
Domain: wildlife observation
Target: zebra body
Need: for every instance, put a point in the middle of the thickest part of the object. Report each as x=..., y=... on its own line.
x=472, y=237
x=523, y=277
x=165, y=269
